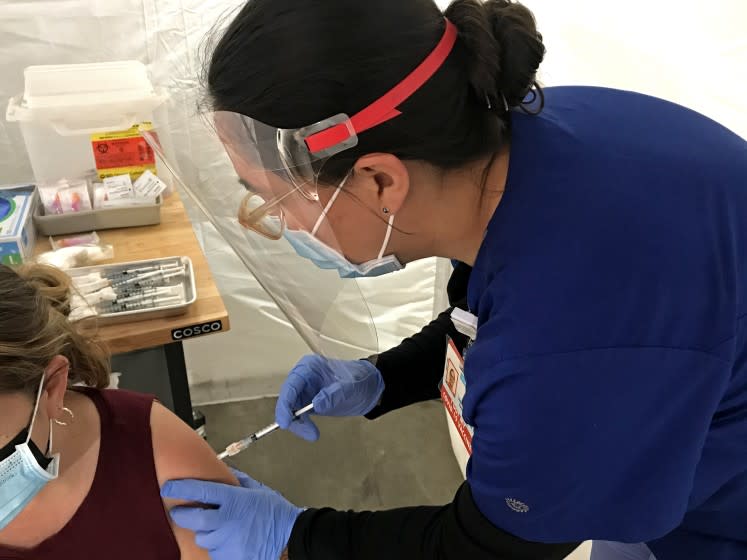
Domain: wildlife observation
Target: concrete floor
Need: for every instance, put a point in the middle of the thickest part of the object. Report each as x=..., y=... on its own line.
x=402, y=459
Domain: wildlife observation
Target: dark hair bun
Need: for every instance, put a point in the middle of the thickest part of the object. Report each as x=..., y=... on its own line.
x=504, y=46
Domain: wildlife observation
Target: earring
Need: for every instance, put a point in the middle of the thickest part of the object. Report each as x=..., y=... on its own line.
x=70, y=413
x=385, y=210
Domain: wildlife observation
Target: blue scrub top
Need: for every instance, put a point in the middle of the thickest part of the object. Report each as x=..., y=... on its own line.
x=608, y=381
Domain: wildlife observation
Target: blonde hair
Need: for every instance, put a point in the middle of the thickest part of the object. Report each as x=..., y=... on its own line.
x=34, y=328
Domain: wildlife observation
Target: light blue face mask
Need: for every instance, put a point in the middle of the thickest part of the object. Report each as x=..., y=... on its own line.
x=310, y=247
x=21, y=476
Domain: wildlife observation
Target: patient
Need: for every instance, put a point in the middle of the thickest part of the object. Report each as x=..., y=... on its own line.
x=111, y=450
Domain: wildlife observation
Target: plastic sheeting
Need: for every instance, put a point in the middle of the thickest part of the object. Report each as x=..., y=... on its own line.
x=255, y=356
x=167, y=35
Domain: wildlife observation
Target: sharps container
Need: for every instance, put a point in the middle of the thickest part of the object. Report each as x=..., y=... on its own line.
x=80, y=119
x=85, y=121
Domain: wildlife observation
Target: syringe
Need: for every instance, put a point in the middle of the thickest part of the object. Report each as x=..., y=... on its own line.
x=238, y=446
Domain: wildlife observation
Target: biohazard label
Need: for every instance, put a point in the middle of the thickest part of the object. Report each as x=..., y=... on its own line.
x=123, y=152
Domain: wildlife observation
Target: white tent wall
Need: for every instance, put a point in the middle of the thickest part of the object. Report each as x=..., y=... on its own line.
x=167, y=35
x=692, y=52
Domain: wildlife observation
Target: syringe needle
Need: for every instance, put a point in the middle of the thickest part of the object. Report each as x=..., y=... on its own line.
x=238, y=446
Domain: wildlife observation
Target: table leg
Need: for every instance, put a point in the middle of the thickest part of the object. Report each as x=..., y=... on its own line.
x=144, y=370
x=179, y=382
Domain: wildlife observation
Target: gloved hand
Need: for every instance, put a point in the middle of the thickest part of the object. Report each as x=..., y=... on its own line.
x=336, y=387
x=252, y=522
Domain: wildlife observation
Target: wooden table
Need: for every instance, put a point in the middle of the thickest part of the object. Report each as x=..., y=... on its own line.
x=174, y=236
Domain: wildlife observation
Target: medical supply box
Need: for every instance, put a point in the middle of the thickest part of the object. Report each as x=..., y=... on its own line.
x=17, y=234
x=85, y=120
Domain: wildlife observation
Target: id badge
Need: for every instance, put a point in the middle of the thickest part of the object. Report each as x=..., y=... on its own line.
x=453, y=389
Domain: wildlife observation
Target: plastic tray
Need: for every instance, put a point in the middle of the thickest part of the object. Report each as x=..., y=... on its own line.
x=97, y=220
x=188, y=281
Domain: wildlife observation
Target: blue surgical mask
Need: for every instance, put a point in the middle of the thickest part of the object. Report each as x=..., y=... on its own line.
x=21, y=475
x=307, y=245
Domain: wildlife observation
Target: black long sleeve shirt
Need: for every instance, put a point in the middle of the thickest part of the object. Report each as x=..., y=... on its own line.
x=412, y=372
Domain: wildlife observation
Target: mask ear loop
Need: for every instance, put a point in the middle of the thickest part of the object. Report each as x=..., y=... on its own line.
x=323, y=215
x=33, y=418
x=48, y=452
x=36, y=409
x=317, y=225
x=389, y=227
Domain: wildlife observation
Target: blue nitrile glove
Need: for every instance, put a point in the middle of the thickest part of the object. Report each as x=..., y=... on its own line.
x=336, y=387
x=252, y=522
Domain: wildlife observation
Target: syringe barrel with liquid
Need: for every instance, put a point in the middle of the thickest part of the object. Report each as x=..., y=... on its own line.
x=239, y=446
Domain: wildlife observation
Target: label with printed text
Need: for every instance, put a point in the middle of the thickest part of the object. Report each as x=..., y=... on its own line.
x=453, y=389
x=123, y=152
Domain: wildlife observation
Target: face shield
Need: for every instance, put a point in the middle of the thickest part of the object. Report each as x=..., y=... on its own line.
x=273, y=193
x=279, y=175
x=330, y=313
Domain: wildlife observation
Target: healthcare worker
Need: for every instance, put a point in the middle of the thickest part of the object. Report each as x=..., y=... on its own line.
x=599, y=240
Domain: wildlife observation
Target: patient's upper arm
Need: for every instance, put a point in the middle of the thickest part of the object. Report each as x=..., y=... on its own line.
x=180, y=453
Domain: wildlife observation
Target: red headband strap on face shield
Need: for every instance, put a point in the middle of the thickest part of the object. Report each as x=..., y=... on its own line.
x=385, y=108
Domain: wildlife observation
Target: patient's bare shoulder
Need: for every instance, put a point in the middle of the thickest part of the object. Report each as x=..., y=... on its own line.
x=180, y=453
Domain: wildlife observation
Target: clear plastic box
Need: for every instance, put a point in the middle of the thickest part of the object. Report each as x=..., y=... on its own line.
x=65, y=108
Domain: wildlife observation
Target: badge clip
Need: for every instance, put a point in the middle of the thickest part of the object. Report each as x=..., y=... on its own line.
x=464, y=322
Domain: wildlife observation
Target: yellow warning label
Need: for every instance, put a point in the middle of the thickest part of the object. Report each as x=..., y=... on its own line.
x=132, y=132
x=123, y=151
x=133, y=171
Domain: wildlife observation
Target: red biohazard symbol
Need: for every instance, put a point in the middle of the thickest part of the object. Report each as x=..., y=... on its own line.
x=121, y=152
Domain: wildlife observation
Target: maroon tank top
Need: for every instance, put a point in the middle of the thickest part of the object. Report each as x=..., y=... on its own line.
x=122, y=517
